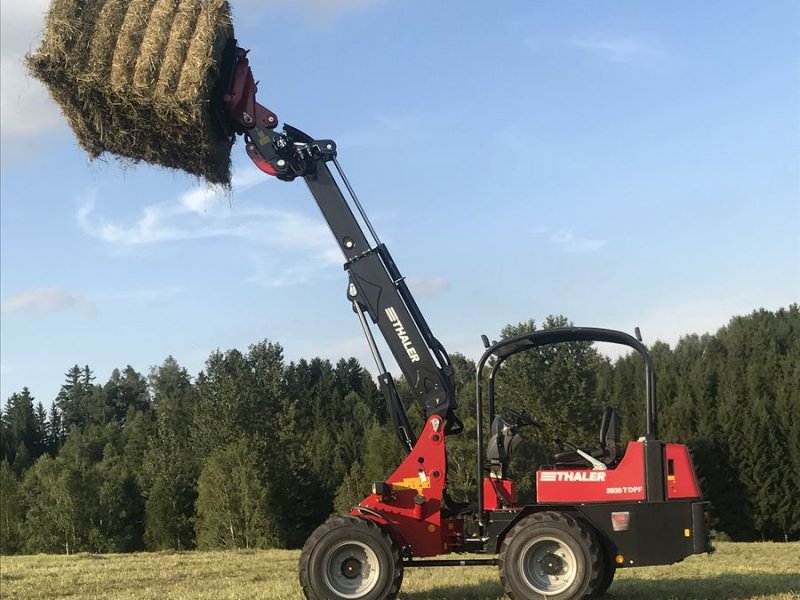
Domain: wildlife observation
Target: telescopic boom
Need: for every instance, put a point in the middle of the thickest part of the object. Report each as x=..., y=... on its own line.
x=376, y=288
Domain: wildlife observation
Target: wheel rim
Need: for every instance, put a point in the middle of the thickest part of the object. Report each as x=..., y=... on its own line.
x=548, y=565
x=351, y=569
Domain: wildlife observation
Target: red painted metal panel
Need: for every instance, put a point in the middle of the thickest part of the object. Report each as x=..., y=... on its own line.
x=681, y=479
x=413, y=507
x=624, y=482
x=495, y=490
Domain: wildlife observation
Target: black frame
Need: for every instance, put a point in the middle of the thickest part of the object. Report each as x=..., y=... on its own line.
x=502, y=350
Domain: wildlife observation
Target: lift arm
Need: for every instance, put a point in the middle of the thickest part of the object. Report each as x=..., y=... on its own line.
x=376, y=288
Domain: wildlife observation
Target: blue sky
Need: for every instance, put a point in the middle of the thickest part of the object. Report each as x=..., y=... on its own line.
x=622, y=163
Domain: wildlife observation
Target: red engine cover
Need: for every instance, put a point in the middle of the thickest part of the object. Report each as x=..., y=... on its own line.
x=625, y=482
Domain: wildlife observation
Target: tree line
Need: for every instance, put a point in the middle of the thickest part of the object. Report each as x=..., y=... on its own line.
x=256, y=451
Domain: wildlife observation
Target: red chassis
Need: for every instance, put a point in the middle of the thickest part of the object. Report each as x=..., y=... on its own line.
x=409, y=503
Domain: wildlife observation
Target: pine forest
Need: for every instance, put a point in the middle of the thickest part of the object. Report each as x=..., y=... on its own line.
x=256, y=451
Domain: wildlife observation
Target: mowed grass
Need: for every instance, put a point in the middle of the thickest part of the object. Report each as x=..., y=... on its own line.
x=734, y=572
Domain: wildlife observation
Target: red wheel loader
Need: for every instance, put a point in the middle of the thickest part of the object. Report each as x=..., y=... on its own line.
x=597, y=509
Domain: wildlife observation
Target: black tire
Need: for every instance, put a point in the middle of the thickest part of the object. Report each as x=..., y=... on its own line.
x=607, y=578
x=348, y=558
x=550, y=556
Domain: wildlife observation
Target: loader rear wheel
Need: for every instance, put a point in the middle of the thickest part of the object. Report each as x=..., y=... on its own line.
x=550, y=556
x=349, y=558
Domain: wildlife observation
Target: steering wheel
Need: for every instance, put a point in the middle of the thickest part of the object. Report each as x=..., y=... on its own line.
x=522, y=419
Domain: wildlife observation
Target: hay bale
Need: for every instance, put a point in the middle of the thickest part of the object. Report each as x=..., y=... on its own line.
x=156, y=35
x=135, y=78
x=170, y=73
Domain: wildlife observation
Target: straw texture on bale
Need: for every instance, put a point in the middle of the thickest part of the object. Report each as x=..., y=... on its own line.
x=136, y=78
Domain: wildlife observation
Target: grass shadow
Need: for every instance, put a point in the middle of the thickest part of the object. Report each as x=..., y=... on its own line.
x=481, y=591
x=743, y=586
x=736, y=586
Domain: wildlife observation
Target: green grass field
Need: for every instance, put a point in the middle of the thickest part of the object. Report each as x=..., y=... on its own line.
x=734, y=572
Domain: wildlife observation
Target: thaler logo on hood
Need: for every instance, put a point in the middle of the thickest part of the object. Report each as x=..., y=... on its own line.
x=548, y=476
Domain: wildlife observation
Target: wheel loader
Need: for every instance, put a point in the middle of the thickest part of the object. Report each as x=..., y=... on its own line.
x=597, y=510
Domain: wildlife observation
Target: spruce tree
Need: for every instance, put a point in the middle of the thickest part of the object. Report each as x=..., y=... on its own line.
x=42, y=431
x=21, y=430
x=55, y=431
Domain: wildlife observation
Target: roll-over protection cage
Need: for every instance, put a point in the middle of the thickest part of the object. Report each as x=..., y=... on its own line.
x=508, y=347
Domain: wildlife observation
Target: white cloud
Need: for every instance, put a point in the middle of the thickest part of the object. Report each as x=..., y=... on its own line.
x=427, y=286
x=193, y=215
x=568, y=241
x=174, y=222
x=203, y=200
x=151, y=227
x=629, y=49
x=203, y=213
x=41, y=302
x=198, y=200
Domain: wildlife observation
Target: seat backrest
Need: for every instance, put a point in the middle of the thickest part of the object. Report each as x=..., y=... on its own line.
x=497, y=448
x=610, y=428
x=502, y=443
x=605, y=424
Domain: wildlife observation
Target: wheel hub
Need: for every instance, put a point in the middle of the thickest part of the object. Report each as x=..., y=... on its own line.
x=552, y=564
x=351, y=568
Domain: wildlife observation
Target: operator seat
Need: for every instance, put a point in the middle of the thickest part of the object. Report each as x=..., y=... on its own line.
x=503, y=440
x=609, y=452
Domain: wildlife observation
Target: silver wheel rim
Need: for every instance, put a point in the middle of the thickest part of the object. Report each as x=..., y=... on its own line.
x=548, y=565
x=351, y=569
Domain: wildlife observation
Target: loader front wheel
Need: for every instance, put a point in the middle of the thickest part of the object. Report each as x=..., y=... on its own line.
x=350, y=558
x=550, y=556
x=609, y=570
